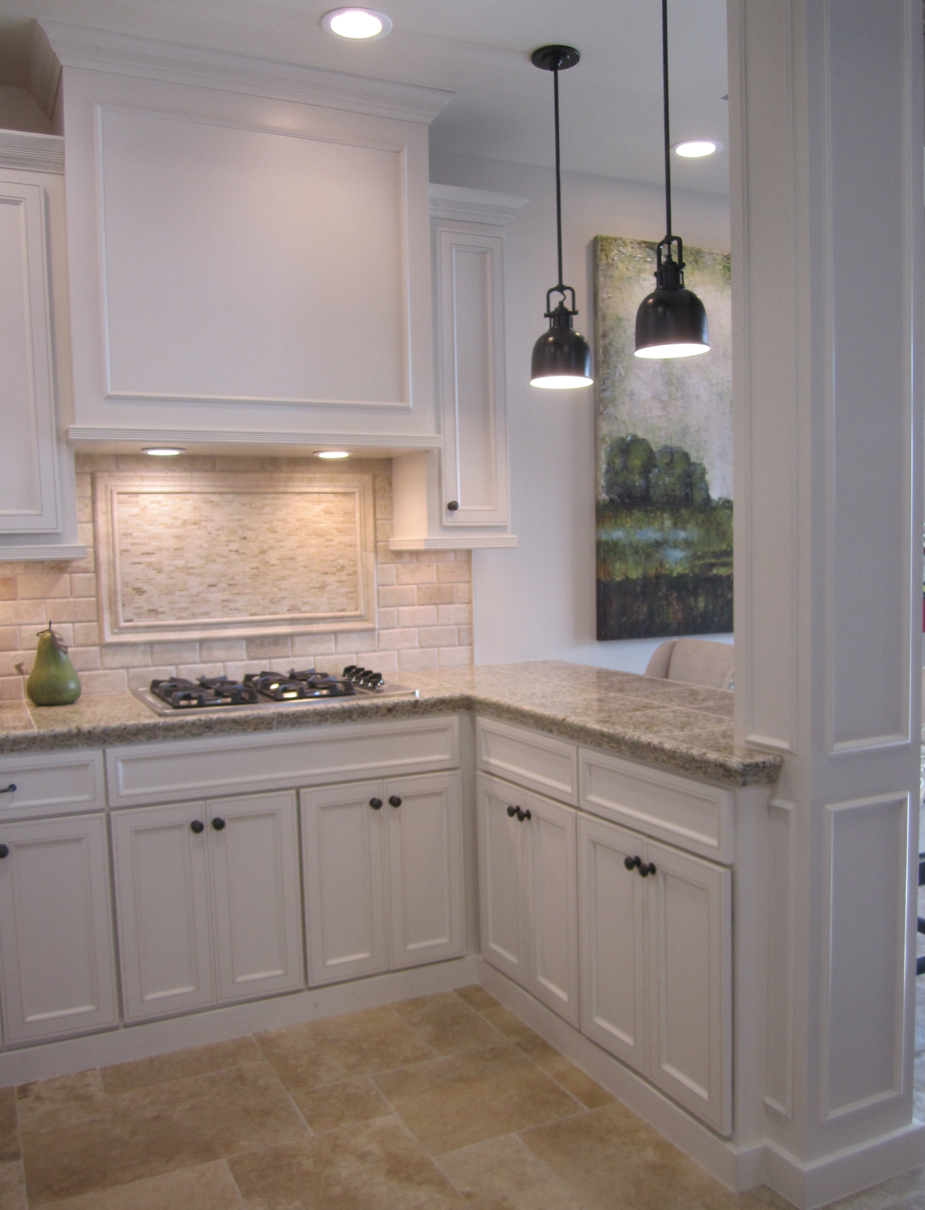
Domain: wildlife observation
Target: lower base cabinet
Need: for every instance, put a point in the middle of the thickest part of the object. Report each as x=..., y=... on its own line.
x=57, y=969
x=527, y=891
x=207, y=902
x=383, y=866
x=656, y=964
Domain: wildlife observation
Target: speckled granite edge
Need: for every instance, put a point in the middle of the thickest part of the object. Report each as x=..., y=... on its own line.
x=705, y=752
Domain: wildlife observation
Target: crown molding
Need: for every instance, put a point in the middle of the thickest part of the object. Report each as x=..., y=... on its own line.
x=99, y=50
x=37, y=152
x=457, y=204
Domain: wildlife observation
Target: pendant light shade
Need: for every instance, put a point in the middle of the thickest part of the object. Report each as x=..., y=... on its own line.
x=671, y=321
x=561, y=356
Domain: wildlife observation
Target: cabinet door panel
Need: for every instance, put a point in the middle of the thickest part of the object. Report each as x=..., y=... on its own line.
x=57, y=973
x=344, y=895
x=471, y=351
x=552, y=904
x=611, y=908
x=162, y=904
x=425, y=868
x=255, y=879
x=501, y=875
x=690, y=982
x=28, y=486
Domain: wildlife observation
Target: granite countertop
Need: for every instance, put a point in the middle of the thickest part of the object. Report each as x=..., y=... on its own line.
x=683, y=728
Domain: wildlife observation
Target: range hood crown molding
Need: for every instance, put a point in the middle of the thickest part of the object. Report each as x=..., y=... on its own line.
x=99, y=50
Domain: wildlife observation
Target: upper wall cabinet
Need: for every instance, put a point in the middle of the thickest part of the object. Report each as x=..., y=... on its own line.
x=460, y=496
x=248, y=249
x=37, y=501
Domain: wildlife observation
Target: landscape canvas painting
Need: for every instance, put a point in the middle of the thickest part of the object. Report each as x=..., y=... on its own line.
x=664, y=456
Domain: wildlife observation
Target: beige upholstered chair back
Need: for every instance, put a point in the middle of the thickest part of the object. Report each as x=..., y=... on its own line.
x=695, y=662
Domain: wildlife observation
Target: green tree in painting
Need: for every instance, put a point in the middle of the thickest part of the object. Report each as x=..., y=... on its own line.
x=664, y=545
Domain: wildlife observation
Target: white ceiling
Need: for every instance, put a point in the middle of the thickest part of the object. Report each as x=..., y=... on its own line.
x=478, y=49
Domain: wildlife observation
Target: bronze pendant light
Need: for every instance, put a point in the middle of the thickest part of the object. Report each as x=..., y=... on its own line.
x=561, y=356
x=671, y=321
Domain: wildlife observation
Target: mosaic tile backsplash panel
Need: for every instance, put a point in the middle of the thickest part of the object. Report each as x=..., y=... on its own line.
x=208, y=555
x=424, y=602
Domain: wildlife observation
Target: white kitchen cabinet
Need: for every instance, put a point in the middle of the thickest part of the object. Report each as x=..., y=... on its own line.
x=162, y=908
x=249, y=245
x=207, y=898
x=528, y=892
x=383, y=875
x=57, y=968
x=37, y=495
x=461, y=497
x=656, y=964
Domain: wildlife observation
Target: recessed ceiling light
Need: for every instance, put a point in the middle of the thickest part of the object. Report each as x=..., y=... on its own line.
x=332, y=454
x=361, y=24
x=694, y=149
x=163, y=451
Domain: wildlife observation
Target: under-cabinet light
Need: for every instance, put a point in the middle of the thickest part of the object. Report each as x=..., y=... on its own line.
x=163, y=451
x=332, y=454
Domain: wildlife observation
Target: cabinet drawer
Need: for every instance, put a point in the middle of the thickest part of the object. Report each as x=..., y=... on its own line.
x=51, y=783
x=529, y=758
x=309, y=756
x=685, y=813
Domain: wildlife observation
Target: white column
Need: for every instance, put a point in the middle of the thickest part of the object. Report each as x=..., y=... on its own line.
x=826, y=110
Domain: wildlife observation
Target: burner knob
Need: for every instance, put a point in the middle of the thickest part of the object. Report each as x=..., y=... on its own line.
x=197, y=826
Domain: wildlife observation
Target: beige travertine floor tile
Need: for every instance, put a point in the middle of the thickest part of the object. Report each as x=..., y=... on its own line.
x=446, y=1024
x=62, y=1090
x=340, y=1048
x=476, y=997
x=371, y=1166
x=908, y=1186
x=206, y=1187
x=610, y=1149
x=9, y=1131
x=336, y=1104
x=503, y=1174
x=12, y=1186
x=84, y=1146
x=564, y=1072
x=505, y=1021
x=454, y=1101
x=124, y=1077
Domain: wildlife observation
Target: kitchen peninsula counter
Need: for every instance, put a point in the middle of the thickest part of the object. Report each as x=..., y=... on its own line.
x=683, y=728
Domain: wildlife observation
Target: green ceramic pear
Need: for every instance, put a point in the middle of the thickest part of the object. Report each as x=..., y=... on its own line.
x=52, y=681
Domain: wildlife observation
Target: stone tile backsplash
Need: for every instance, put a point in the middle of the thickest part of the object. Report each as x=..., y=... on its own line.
x=424, y=603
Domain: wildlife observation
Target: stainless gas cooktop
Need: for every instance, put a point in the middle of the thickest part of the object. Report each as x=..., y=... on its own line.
x=306, y=687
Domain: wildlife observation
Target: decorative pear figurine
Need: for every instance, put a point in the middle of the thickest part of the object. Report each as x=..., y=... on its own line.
x=52, y=681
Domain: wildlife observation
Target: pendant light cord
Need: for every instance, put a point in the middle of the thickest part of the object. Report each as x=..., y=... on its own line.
x=667, y=135
x=555, y=93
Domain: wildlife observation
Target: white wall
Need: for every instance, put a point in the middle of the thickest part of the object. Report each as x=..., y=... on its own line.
x=538, y=601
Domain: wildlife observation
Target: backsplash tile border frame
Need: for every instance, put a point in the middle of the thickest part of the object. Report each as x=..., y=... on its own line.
x=106, y=487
